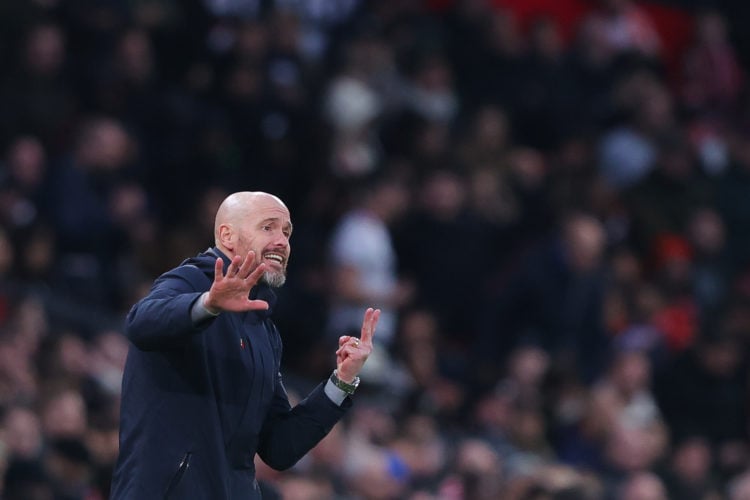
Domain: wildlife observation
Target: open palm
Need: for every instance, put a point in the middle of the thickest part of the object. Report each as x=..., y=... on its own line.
x=230, y=291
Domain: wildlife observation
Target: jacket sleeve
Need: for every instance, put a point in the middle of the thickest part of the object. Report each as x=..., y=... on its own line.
x=162, y=318
x=289, y=433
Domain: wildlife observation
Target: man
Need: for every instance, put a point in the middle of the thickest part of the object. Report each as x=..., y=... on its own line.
x=202, y=392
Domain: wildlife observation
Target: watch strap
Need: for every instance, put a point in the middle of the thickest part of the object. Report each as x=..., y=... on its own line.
x=348, y=388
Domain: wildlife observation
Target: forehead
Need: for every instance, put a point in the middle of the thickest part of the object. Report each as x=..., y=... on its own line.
x=268, y=207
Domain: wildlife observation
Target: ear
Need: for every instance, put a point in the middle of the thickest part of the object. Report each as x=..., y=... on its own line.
x=226, y=236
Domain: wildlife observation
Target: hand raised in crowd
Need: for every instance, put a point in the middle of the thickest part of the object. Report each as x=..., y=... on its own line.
x=353, y=352
x=230, y=291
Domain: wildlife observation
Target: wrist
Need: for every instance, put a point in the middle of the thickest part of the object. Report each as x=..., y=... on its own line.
x=210, y=310
x=348, y=386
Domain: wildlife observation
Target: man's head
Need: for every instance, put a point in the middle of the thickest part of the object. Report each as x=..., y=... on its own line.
x=259, y=222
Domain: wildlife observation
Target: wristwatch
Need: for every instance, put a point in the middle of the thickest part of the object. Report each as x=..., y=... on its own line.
x=344, y=386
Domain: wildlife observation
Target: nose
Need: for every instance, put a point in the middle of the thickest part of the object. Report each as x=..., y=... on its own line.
x=281, y=240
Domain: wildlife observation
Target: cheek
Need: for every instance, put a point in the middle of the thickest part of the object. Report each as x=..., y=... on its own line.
x=245, y=244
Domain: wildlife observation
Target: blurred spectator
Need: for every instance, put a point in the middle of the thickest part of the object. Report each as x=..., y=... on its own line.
x=421, y=447
x=488, y=139
x=548, y=96
x=64, y=415
x=371, y=469
x=528, y=177
x=628, y=152
x=7, y=291
x=27, y=480
x=501, y=49
x=364, y=264
x=622, y=26
x=734, y=207
x=68, y=466
x=441, y=221
x=39, y=98
x=707, y=380
x=554, y=300
x=643, y=486
x=690, y=471
x=85, y=186
x=24, y=186
x=430, y=92
x=528, y=366
x=711, y=266
x=22, y=434
x=431, y=382
x=678, y=316
x=739, y=488
x=662, y=201
x=18, y=382
x=305, y=487
x=628, y=453
x=478, y=472
x=712, y=79
x=623, y=399
x=352, y=108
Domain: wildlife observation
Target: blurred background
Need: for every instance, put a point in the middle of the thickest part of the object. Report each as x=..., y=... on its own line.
x=549, y=199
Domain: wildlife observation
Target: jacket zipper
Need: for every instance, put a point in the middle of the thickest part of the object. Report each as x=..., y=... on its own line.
x=184, y=464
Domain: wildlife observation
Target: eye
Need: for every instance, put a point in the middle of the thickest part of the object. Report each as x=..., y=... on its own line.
x=267, y=227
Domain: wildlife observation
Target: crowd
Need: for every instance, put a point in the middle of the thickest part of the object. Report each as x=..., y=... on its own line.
x=554, y=224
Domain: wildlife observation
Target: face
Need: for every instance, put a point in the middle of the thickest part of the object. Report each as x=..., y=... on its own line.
x=266, y=231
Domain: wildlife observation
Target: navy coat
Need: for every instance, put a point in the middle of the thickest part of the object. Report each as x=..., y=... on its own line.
x=198, y=402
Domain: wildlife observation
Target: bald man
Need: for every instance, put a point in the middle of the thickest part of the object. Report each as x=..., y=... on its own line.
x=202, y=391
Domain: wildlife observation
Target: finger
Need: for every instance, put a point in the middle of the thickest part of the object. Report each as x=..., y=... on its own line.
x=254, y=276
x=218, y=270
x=233, y=266
x=257, y=305
x=343, y=340
x=247, y=265
x=351, y=342
x=349, y=351
x=369, y=324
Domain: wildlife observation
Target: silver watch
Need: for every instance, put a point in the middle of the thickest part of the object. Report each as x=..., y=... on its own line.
x=344, y=386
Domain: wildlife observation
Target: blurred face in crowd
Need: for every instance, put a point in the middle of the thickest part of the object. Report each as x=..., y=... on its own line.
x=692, y=460
x=585, y=240
x=65, y=415
x=644, y=486
x=444, y=195
x=632, y=372
x=707, y=231
x=26, y=161
x=22, y=433
x=45, y=50
x=104, y=145
x=259, y=222
x=739, y=489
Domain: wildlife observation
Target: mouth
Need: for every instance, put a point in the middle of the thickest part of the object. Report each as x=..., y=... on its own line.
x=274, y=258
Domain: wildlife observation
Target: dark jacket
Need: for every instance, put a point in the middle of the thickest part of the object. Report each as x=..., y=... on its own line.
x=198, y=402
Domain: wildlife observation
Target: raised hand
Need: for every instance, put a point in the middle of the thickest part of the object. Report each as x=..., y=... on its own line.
x=353, y=352
x=230, y=291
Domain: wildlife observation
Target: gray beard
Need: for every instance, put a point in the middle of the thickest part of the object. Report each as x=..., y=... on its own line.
x=274, y=280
